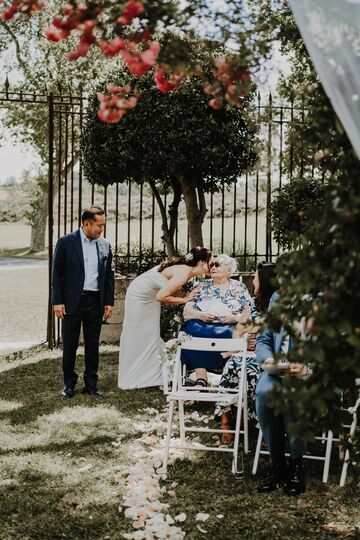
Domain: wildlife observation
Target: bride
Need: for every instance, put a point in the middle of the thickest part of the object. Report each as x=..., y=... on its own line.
x=141, y=345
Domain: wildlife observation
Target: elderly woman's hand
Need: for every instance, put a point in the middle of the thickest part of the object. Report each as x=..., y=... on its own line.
x=229, y=319
x=207, y=316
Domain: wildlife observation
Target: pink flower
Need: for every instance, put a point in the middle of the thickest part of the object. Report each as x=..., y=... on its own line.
x=216, y=103
x=132, y=9
x=114, y=106
x=111, y=48
x=52, y=35
x=67, y=9
x=167, y=83
x=10, y=12
x=118, y=90
x=140, y=63
x=110, y=116
x=82, y=50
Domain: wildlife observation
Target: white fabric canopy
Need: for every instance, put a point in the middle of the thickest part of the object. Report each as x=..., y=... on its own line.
x=331, y=32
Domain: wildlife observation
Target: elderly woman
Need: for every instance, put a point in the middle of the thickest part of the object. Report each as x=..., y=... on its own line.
x=221, y=306
x=264, y=286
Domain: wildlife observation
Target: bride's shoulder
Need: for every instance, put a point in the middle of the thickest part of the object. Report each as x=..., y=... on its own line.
x=176, y=270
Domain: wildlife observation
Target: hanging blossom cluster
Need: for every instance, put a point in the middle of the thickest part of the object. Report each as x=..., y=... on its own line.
x=116, y=103
x=230, y=84
x=21, y=7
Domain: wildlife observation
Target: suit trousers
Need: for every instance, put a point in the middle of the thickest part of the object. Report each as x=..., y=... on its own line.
x=89, y=314
x=275, y=427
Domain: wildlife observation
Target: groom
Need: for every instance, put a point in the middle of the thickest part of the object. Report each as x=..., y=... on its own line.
x=83, y=292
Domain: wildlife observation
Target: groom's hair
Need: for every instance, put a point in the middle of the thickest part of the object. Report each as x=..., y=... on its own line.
x=90, y=213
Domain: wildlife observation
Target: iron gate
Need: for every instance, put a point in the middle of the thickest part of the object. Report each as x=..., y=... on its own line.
x=238, y=220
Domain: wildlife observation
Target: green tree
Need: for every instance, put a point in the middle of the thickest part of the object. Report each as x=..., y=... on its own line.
x=38, y=67
x=174, y=142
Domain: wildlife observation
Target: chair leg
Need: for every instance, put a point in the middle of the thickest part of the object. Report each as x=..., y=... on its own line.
x=168, y=436
x=181, y=421
x=353, y=427
x=246, y=420
x=257, y=452
x=239, y=415
x=344, y=469
x=329, y=441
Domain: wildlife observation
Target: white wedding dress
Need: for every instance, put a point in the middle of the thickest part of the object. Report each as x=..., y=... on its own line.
x=141, y=345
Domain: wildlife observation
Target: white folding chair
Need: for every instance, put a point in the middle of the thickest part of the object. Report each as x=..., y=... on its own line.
x=180, y=394
x=326, y=438
x=353, y=428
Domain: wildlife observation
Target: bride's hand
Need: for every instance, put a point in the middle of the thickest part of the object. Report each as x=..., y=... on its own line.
x=189, y=296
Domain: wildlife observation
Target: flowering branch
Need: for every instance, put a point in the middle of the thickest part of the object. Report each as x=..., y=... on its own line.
x=135, y=45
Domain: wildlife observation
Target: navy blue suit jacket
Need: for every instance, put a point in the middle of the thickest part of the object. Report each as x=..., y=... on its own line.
x=69, y=272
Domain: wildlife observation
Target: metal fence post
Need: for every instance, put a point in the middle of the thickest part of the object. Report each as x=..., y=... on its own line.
x=50, y=321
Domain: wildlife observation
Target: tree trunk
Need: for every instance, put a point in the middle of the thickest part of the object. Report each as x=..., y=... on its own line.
x=195, y=210
x=168, y=228
x=38, y=225
x=39, y=216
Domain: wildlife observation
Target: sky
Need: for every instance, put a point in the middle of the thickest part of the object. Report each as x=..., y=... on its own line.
x=14, y=159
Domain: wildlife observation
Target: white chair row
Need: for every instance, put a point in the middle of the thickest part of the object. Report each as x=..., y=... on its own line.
x=180, y=394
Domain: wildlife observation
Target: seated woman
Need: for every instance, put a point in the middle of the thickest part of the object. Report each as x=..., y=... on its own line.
x=264, y=286
x=221, y=307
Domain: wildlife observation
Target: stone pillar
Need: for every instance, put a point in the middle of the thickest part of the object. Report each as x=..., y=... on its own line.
x=111, y=330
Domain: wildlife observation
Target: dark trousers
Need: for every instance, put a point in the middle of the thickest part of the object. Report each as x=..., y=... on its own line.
x=88, y=313
x=275, y=427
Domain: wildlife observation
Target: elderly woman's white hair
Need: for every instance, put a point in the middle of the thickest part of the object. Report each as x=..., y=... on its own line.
x=227, y=261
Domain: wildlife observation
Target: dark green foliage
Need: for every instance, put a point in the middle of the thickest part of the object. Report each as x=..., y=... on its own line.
x=135, y=261
x=297, y=205
x=168, y=135
x=321, y=283
x=170, y=320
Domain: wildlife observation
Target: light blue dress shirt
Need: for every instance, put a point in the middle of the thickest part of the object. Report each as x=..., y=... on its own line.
x=91, y=262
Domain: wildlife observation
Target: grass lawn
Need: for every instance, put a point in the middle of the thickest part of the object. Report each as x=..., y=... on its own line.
x=64, y=465
x=23, y=253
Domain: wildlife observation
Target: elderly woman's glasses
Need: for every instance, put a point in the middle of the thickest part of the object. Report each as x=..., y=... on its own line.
x=216, y=264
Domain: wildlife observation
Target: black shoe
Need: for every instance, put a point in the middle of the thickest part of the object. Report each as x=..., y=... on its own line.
x=92, y=391
x=68, y=392
x=296, y=483
x=275, y=478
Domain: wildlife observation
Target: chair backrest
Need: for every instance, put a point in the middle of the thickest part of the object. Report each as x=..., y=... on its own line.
x=215, y=344
x=206, y=345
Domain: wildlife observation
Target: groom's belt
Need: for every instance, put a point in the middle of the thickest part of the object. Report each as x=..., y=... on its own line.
x=90, y=293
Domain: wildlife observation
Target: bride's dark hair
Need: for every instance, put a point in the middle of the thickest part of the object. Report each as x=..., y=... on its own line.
x=195, y=255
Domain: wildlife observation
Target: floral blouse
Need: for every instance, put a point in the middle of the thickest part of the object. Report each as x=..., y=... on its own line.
x=235, y=297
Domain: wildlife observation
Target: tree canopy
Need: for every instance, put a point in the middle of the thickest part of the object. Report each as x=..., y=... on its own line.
x=174, y=140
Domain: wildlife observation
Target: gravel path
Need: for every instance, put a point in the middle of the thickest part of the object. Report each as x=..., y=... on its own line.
x=23, y=303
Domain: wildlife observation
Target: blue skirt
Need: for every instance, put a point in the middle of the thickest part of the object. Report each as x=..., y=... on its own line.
x=209, y=360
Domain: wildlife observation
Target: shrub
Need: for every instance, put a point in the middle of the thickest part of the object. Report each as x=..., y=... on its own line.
x=296, y=207
x=136, y=261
